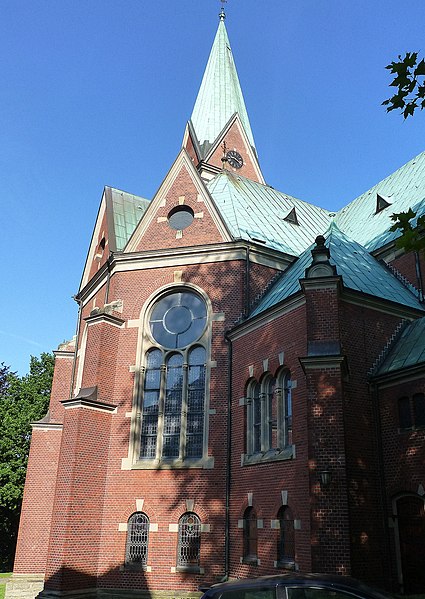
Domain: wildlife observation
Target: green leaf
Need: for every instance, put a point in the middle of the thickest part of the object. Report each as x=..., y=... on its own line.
x=420, y=69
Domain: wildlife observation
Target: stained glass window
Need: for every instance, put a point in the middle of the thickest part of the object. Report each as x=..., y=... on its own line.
x=173, y=400
x=178, y=319
x=189, y=545
x=137, y=539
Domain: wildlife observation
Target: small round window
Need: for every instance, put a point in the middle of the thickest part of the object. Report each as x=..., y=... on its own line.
x=180, y=217
x=178, y=319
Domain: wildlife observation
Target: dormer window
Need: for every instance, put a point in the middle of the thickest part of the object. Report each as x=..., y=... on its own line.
x=381, y=203
x=291, y=217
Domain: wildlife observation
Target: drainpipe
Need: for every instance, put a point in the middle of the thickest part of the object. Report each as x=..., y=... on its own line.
x=419, y=276
x=247, y=283
x=381, y=478
x=228, y=459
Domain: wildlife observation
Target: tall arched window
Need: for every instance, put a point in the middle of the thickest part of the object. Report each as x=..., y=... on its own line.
x=174, y=385
x=286, y=540
x=250, y=535
x=189, y=542
x=136, y=553
x=269, y=415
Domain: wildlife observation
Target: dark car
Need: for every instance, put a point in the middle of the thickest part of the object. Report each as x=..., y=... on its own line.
x=294, y=586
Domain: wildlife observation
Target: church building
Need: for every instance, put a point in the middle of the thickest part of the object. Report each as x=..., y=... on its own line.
x=245, y=394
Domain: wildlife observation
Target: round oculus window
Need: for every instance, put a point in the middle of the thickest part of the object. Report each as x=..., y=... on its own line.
x=178, y=319
x=180, y=217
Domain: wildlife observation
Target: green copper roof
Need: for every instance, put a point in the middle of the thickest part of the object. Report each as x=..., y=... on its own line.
x=220, y=94
x=407, y=350
x=259, y=213
x=402, y=190
x=127, y=210
x=359, y=270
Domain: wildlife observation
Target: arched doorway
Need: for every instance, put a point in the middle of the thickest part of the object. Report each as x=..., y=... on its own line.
x=410, y=510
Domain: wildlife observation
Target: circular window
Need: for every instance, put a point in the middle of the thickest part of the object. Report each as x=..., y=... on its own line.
x=180, y=217
x=178, y=319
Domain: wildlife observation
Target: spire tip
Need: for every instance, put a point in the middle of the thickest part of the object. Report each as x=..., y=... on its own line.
x=222, y=14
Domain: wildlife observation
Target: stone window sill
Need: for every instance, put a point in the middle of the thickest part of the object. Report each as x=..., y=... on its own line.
x=273, y=455
x=190, y=569
x=174, y=464
x=250, y=561
x=286, y=564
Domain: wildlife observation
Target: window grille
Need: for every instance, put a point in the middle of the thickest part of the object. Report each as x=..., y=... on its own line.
x=189, y=543
x=137, y=540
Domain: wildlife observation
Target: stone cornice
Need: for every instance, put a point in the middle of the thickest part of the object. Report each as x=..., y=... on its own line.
x=60, y=353
x=48, y=426
x=221, y=252
x=327, y=282
x=311, y=363
x=90, y=404
x=106, y=318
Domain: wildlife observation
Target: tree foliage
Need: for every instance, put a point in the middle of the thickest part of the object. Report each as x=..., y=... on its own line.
x=410, y=83
x=412, y=233
x=22, y=400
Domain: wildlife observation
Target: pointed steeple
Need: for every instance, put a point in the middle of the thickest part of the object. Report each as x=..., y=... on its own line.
x=220, y=95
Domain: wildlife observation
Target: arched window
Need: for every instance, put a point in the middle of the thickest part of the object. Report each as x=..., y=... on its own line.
x=253, y=420
x=269, y=415
x=419, y=409
x=271, y=407
x=189, y=542
x=250, y=535
x=136, y=553
x=411, y=412
x=404, y=414
x=286, y=540
x=174, y=385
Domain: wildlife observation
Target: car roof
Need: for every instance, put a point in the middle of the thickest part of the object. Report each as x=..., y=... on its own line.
x=338, y=582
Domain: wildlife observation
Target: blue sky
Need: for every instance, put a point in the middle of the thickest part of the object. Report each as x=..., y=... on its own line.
x=98, y=92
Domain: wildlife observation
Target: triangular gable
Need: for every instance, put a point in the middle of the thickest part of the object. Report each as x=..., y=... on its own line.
x=119, y=212
x=181, y=201
x=99, y=244
x=233, y=137
x=190, y=143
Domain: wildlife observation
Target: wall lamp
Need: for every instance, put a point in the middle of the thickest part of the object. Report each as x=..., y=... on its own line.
x=325, y=478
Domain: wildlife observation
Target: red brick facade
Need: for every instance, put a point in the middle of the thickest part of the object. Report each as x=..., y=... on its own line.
x=298, y=458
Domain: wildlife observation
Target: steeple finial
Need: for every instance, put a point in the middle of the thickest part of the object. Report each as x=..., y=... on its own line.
x=222, y=13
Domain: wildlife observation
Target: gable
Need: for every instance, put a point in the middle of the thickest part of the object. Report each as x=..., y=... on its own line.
x=181, y=214
x=233, y=138
x=99, y=244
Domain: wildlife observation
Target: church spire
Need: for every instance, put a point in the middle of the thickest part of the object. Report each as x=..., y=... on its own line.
x=220, y=95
